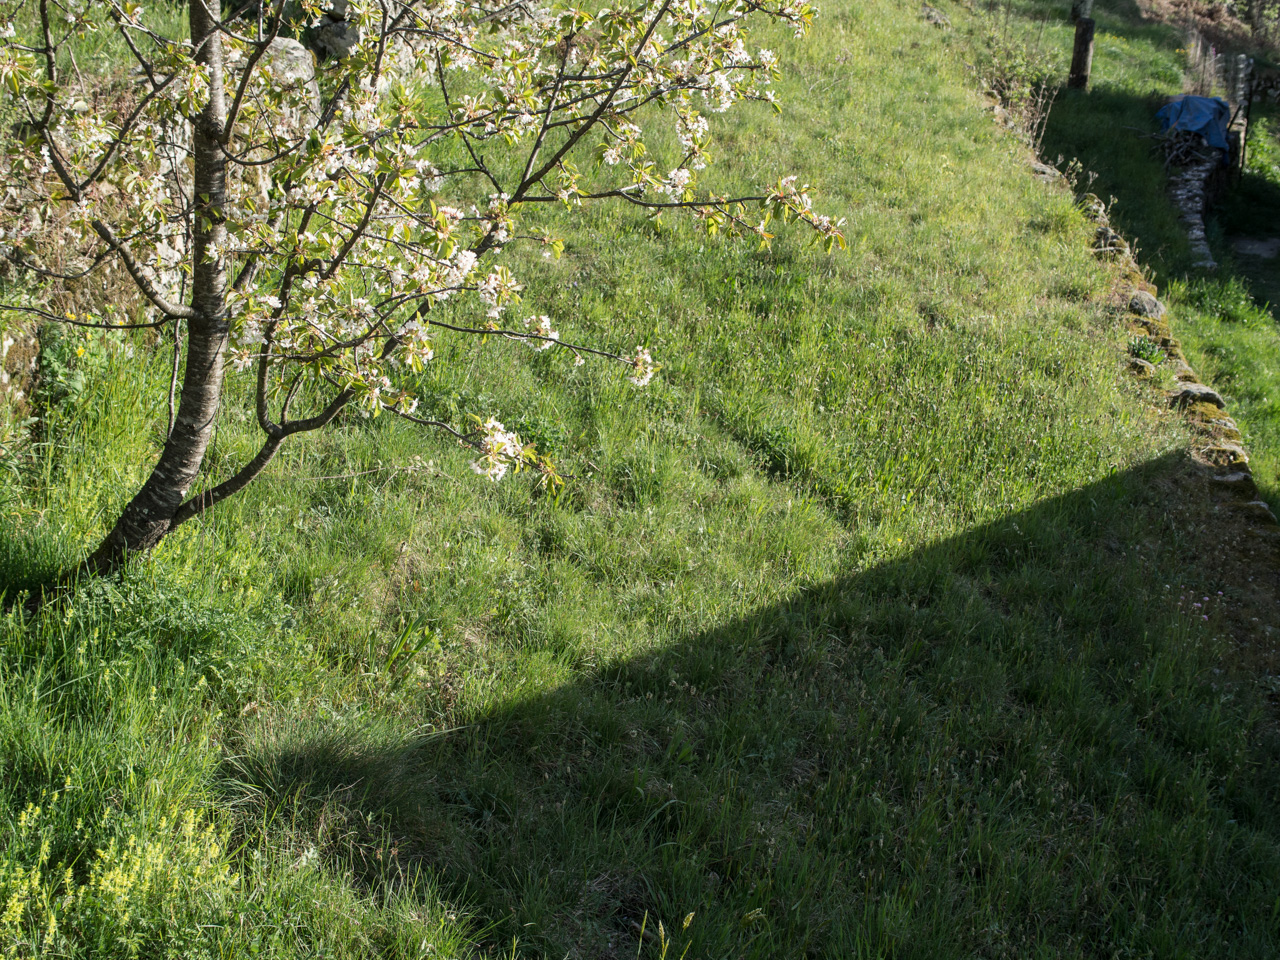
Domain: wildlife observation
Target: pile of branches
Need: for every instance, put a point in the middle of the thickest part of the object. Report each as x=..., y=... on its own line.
x=1182, y=149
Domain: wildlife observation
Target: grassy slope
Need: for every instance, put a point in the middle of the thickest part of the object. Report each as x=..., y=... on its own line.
x=852, y=637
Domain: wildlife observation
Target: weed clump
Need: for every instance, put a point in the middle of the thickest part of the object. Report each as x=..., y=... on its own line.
x=137, y=890
x=1023, y=78
x=1144, y=348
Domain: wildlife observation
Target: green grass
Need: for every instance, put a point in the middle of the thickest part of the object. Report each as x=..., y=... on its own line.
x=861, y=632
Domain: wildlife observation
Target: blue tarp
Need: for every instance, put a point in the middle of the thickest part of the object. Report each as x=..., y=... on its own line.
x=1208, y=116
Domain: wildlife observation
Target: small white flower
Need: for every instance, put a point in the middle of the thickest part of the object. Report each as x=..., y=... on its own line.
x=541, y=327
x=644, y=367
x=676, y=182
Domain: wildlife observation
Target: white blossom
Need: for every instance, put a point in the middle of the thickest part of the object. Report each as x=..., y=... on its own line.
x=541, y=327
x=499, y=448
x=643, y=366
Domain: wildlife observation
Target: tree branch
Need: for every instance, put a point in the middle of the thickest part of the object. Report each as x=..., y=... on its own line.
x=246, y=474
x=517, y=335
x=578, y=134
x=198, y=504
x=260, y=49
x=158, y=300
x=82, y=323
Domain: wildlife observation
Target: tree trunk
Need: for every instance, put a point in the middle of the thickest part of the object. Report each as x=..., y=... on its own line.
x=1080, y=9
x=1082, y=55
x=149, y=516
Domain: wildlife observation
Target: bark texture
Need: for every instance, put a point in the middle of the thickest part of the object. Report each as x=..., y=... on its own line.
x=150, y=515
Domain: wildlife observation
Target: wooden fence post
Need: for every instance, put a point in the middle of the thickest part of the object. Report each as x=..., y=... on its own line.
x=1248, y=91
x=1081, y=8
x=1082, y=54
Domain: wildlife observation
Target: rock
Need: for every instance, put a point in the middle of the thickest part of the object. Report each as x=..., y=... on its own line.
x=1093, y=207
x=1268, y=534
x=1109, y=243
x=1238, y=482
x=1256, y=510
x=332, y=35
x=1189, y=393
x=1226, y=454
x=1145, y=305
x=1143, y=368
x=1223, y=427
x=335, y=36
x=1182, y=371
x=1203, y=412
x=1156, y=329
x=294, y=66
x=935, y=16
x=1045, y=172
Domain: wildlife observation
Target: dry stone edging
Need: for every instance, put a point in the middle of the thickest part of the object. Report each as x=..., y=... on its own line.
x=1143, y=368
x=1258, y=510
x=1189, y=188
x=1145, y=305
x=1217, y=446
x=1190, y=392
x=1239, y=482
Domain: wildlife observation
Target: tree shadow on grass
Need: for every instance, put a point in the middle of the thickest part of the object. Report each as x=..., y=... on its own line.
x=1003, y=743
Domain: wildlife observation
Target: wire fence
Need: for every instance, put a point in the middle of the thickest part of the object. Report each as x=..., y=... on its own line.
x=1213, y=72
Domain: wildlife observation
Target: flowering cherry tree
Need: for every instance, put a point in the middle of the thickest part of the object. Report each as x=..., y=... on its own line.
x=303, y=231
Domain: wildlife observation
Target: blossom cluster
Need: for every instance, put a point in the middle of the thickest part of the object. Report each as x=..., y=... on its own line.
x=500, y=449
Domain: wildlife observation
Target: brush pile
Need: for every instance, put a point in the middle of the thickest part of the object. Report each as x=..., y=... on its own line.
x=1182, y=148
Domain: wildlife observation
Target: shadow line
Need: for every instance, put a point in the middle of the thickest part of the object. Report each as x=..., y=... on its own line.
x=1005, y=742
